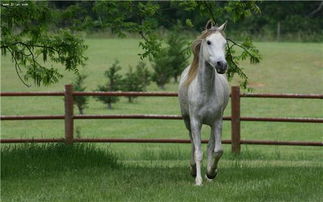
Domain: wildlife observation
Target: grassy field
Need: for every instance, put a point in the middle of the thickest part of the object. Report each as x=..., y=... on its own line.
x=156, y=172
x=88, y=173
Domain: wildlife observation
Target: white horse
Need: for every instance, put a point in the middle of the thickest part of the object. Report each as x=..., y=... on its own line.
x=203, y=96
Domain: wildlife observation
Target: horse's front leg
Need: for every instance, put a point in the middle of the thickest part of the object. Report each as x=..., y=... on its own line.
x=192, y=162
x=214, y=149
x=198, y=154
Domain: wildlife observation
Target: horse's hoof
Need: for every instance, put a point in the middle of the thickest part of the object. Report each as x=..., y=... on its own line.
x=198, y=181
x=208, y=179
x=211, y=177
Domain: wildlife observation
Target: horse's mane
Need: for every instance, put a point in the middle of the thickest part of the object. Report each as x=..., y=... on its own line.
x=196, y=45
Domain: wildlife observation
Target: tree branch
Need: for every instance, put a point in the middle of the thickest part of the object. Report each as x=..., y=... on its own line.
x=143, y=36
x=316, y=10
x=17, y=68
x=29, y=45
x=241, y=46
x=209, y=10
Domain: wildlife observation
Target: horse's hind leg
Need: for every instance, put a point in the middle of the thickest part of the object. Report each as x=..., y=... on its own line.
x=214, y=150
x=192, y=162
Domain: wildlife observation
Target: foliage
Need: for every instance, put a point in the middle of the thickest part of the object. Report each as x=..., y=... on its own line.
x=142, y=18
x=76, y=16
x=171, y=59
x=299, y=21
x=137, y=80
x=178, y=52
x=162, y=69
x=80, y=101
x=300, y=17
x=249, y=51
x=114, y=83
x=26, y=37
x=235, y=11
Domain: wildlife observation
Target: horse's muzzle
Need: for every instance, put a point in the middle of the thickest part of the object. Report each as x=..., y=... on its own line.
x=221, y=71
x=221, y=67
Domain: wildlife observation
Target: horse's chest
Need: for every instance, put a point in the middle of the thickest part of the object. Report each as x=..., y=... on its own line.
x=211, y=109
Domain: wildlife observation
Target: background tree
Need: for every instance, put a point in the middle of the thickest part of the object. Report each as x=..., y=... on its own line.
x=74, y=15
x=172, y=59
x=178, y=52
x=114, y=83
x=136, y=80
x=303, y=16
x=162, y=69
x=80, y=101
x=26, y=37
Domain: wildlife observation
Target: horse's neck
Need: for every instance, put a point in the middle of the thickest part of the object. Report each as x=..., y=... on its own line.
x=206, y=79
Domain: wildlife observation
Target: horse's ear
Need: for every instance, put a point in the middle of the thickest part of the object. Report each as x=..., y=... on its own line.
x=209, y=24
x=223, y=26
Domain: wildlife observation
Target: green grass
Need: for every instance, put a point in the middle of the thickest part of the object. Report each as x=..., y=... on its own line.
x=159, y=172
x=83, y=172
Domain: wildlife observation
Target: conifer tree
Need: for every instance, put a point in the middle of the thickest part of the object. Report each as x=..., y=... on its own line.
x=114, y=81
x=78, y=85
x=162, y=68
x=136, y=80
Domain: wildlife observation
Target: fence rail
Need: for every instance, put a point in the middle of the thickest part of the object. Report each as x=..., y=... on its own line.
x=157, y=94
x=152, y=116
x=235, y=118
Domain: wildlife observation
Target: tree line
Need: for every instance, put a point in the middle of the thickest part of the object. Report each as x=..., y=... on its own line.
x=297, y=20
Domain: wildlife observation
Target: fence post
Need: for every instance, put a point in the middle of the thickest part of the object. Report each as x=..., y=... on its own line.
x=69, y=123
x=235, y=119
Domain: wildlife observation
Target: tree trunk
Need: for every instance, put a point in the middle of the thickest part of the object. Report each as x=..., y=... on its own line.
x=130, y=99
x=175, y=78
x=278, y=31
x=162, y=86
x=80, y=110
x=299, y=36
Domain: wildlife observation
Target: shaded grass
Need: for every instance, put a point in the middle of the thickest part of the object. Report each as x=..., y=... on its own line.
x=83, y=172
x=43, y=159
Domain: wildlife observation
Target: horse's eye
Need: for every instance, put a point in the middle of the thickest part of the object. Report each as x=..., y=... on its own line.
x=208, y=42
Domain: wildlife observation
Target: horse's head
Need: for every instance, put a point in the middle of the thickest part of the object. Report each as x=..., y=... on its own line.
x=213, y=47
x=209, y=47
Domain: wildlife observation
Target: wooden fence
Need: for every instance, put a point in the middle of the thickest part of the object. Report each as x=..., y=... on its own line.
x=235, y=118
